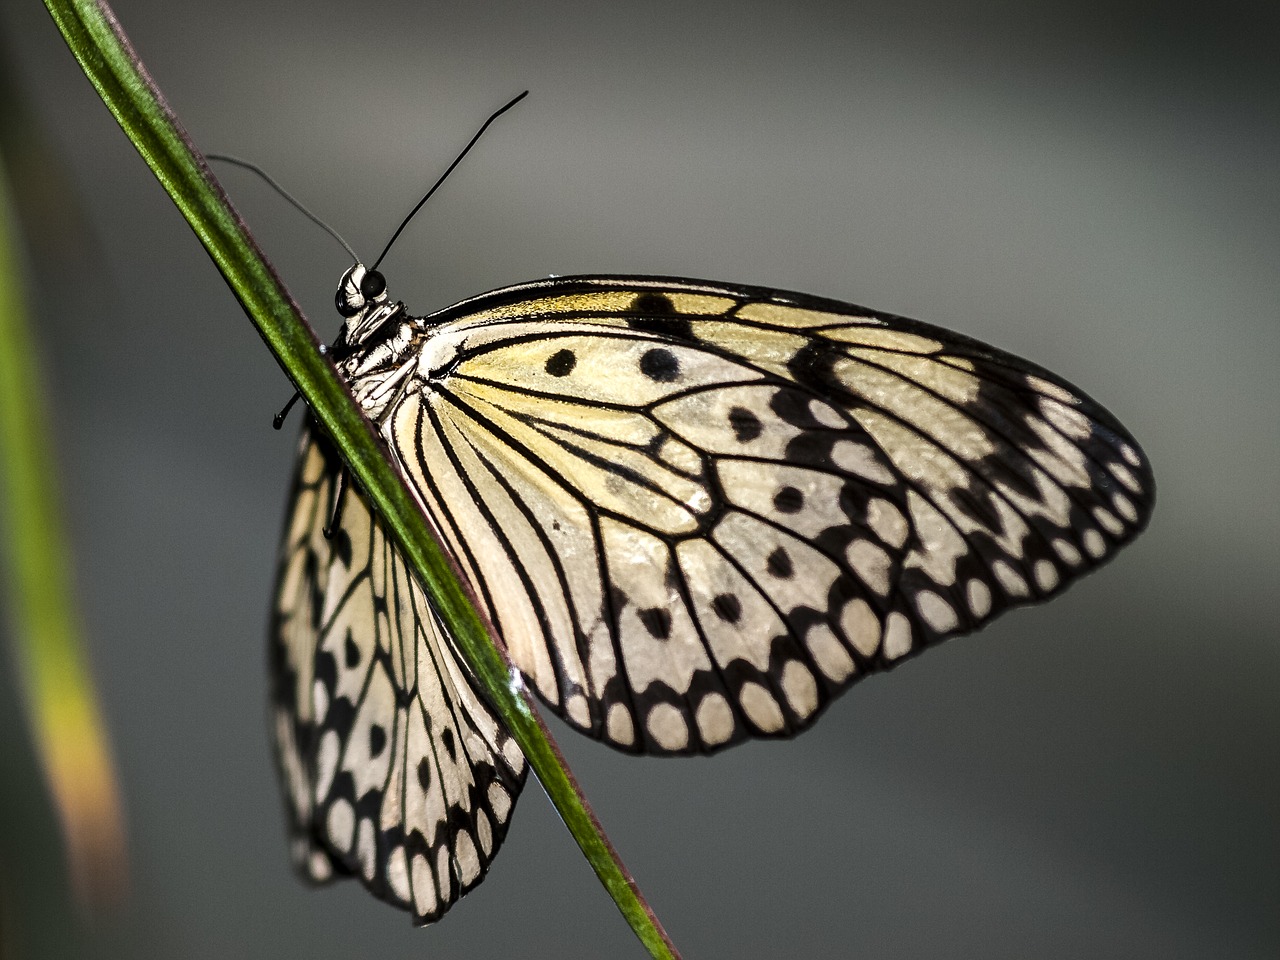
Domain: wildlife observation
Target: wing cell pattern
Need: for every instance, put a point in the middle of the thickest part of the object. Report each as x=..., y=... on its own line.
x=697, y=513
x=395, y=771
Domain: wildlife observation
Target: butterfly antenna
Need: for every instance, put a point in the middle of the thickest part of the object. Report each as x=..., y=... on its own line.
x=253, y=167
x=458, y=160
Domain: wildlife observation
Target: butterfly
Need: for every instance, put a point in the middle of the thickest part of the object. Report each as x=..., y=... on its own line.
x=695, y=514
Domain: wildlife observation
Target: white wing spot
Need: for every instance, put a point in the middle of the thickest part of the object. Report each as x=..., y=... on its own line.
x=465, y=856
x=499, y=802
x=327, y=762
x=319, y=867
x=1122, y=473
x=887, y=522
x=826, y=414
x=860, y=459
x=341, y=824
x=871, y=563
x=484, y=833
x=398, y=874
x=366, y=849
x=1107, y=520
x=1068, y=463
x=1046, y=575
x=620, y=726
x=979, y=597
x=1067, y=419
x=320, y=699
x=578, y=711
x=1094, y=544
x=1050, y=389
x=1130, y=454
x=1124, y=507
x=1069, y=554
x=444, y=877
x=829, y=653
x=937, y=613
x=897, y=636
x=760, y=707
x=861, y=626
x=800, y=688
x=512, y=754
x=424, y=887
x=715, y=719
x=1010, y=579
x=941, y=545
x=667, y=727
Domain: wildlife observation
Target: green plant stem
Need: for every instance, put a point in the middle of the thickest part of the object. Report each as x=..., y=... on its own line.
x=99, y=44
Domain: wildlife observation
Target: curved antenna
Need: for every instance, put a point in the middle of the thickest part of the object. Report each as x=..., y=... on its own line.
x=479, y=133
x=227, y=158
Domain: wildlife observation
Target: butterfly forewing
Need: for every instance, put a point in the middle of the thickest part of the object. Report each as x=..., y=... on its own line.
x=394, y=769
x=695, y=513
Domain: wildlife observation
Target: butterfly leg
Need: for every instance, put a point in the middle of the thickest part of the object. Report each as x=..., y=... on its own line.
x=335, y=507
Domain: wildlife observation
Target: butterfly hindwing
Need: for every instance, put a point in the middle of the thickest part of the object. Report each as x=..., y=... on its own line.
x=395, y=770
x=697, y=512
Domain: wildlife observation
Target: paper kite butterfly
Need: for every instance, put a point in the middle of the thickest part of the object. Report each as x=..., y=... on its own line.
x=695, y=513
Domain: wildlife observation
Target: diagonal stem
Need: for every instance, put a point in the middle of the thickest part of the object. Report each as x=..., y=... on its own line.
x=104, y=53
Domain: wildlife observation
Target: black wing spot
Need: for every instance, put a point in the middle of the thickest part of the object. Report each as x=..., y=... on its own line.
x=813, y=366
x=342, y=546
x=446, y=737
x=727, y=607
x=652, y=304
x=657, y=621
x=317, y=593
x=660, y=364
x=746, y=425
x=788, y=500
x=561, y=363
x=377, y=740
x=779, y=564
x=657, y=314
x=351, y=652
x=424, y=775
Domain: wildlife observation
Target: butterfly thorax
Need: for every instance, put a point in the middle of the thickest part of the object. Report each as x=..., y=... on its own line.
x=379, y=342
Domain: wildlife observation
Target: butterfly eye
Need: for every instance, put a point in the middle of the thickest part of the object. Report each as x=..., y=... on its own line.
x=372, y=285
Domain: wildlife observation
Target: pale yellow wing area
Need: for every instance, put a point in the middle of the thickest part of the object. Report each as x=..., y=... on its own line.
x=696, y=513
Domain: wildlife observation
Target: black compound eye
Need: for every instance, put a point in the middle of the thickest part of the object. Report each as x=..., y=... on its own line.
x=372, y=285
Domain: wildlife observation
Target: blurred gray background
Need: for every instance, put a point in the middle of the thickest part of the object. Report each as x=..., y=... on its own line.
x=1095, y=186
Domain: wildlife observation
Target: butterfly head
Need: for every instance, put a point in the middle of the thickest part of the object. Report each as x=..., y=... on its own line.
x=370, y=315
x=358, y=289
